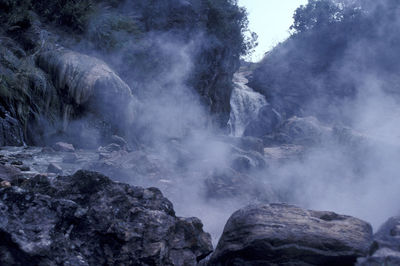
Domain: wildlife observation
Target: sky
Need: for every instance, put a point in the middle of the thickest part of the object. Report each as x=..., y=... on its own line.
x=271, y=20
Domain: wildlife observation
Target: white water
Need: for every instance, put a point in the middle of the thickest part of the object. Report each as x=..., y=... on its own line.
x=245, y=104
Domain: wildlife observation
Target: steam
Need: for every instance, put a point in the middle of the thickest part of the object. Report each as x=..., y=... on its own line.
x=355, y=178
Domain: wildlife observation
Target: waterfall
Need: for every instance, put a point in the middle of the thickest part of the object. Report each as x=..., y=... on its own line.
x=245, y=104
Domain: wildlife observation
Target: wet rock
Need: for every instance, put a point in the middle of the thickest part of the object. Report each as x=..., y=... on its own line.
x=251, y=143
x=91, y=85
x=284, y=153
x=303, y=131
x=64, y=147
x=279, y=234
x=48, y=150
x=23, y=168
x=87, y=219
x=110, y=148
x=70, y=158
x=386, y=246
x=119, y=140
x=9, y=172
x=17, y=163
x=228, y=183
x=4, y=184
x=54, y=168
x=267, y=121
x=10, y=130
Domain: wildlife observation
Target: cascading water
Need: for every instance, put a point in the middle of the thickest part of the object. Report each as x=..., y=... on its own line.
x=245, y=105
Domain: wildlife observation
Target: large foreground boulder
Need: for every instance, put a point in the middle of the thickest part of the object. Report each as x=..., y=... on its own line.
x=279, y=234
x=87, y=219
x=386, y=247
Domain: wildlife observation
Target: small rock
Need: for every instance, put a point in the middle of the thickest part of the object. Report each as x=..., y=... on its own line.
x=48, y=150
x=70, y=158
x=4, y=184
x=9, y=172
x=17, y=163
x=54, y=168
x=23, y=168
x=64, y=147
x=109, y=148
x=119, y=140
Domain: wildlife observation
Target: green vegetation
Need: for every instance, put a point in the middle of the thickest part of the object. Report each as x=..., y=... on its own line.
x=112, y=31
x=72, y=14
x=335, y=47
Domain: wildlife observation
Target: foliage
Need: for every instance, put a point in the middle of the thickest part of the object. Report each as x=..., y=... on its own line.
x=112, y=31
x=335, y=45
x=229, y=23
x=70, y=13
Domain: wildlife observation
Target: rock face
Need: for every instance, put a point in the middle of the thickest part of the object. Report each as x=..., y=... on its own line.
x=10, y=130
x=90, y=85
x=386, y=247
x=279, y=234
x=87, y=219
x=267, y=120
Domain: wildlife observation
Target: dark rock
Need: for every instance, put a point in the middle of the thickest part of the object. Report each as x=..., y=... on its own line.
x=284, y=153
x=268, y=120
x=8, y=172
x=87, y=219
x=228, y=183
x=251, y=143
x=70, y=158
x=91, y=85
x=303, y=131
x=279, y=234
x=4, y=184
x=385, y=249
x=10, y=131
x=23, y=168
x=119, y=140
x=48, y=149
x=110, y=148
x=64, y=147
x=245, y=161
x=54, y=168
x=17, y=163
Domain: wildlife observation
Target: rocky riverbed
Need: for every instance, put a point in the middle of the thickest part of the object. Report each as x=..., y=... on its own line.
x=52, y=213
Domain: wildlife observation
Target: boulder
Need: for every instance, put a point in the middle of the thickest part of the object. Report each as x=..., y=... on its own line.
x=64, y=147
x=90, y=87
x=8, y=172
x=227, y=183
x=54, y=168
x=87, y=219
x=385, y=249
x=303, y=131
x=280, y=234
x=267, y=121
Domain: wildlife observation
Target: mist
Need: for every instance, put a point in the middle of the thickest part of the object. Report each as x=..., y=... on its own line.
x=349, y=166
x=315, y=123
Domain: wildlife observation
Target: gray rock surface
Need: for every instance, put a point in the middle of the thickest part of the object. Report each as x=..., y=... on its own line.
x=268, y=120
x=62, y=146
x=279, y=234
x=11, y=133
x=386, y=247
x=87, y=219
x=88, y=83
x=54, y=168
